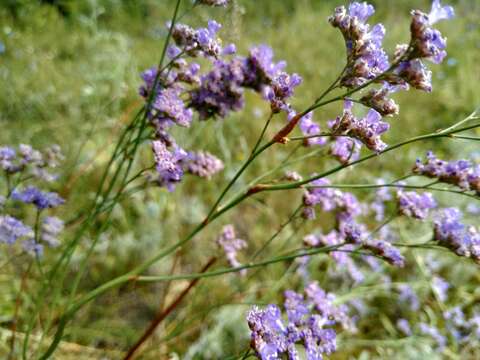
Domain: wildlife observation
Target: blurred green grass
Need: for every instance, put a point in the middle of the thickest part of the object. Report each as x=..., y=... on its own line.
x=73, y=80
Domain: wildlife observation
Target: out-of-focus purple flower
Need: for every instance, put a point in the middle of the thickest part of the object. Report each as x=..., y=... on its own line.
x=42, y=200
x=203, y=164
x=407, y=295
x=440, y=286
x=404, y=327
x=385, y=250
x=366, y=58
x=450, y=232
x=12, y=229
x=260, y=69
x=295, y=307
x=434, y=333
x=32, y=247
x=51, y=227
x=461, y=173
x=292, y=176
x=7, y=155
x=413, y=204
x=168, y=164
x=231, y=245
x=308, y=127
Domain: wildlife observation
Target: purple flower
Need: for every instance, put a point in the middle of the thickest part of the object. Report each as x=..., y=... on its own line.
x=168, y=106
x=42, y=200
x=32, y=247
x=385, y=250
x=378, y=100
x=413, y=204
x=231, y=245
x=404, y=327
x=200, y=42
x=408, y=296
x=308, y=127
x=440, y=286
x=415, y=73
x=434, y=333
x=203, y=164
x=168, y=164
x=7, y=156
x=427, y=42
x=220, y=90
x=12, y=229
x=51, y=227
x=307, y=325
x=345, y=149
x=367, y=130
x=450, y=232
x=281, y=88
x=262, y=67
x=366, y=58
x=460, y=172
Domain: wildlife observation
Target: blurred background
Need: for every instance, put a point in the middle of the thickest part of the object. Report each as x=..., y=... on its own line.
x=69, y=74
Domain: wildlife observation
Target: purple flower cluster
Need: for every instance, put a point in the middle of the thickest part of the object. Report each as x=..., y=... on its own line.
x=309, y=323
x=461, y=173
x=367, y=129
x=426, y=43
x=203, y=164
x=415, y=205
x=231, y=245
x=366, y=58
x=52, y=226
x=345, y=203
x=12, y=229
x=33, y=162
x=450, y=232
x=182, y=90
x=42, y=200
x=386, y=251
x=198, y=42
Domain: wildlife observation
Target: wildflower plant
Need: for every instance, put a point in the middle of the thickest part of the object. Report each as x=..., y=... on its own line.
x=201, y=79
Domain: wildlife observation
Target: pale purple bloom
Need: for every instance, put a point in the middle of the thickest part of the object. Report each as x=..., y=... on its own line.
x=440, y=286
x=168, y=164
x=292, y=176
x=203, y=164
x=404, y=327
x=307, y=324
x=260, y=69
x=415, y=205
x=12, y=229
x=51, y=227
x=434, y=333
x=407, y=295
x=42, y=200
x=231, y=245
x=198, y=42
x=365, y=55
x=345, y=149
x=220, y=91
x=308, y=127
x=280, y=89
x=32, y=247
x=367, y=129
x=386, y=251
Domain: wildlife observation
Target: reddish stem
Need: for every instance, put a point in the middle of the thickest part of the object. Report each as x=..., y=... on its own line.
x=164, y=313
